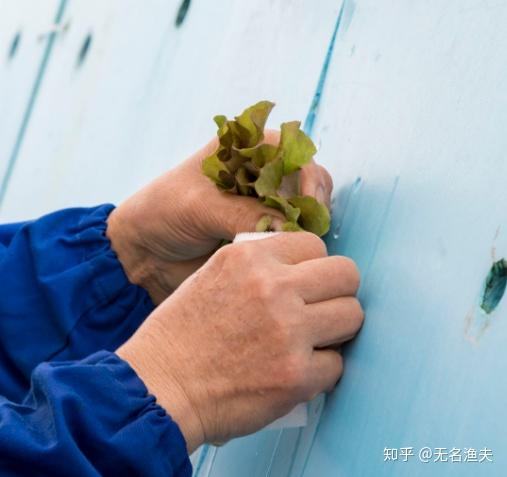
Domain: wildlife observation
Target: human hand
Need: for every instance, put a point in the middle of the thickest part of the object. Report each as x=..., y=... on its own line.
x=248, y=336
x=166, y=231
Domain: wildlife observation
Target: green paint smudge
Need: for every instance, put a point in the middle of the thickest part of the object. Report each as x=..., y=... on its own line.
x=494, y=287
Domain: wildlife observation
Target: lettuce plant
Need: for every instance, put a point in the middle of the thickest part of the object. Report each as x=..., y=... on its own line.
x=243, y=164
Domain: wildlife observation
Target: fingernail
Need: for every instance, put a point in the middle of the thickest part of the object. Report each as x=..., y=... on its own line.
x=320, y=194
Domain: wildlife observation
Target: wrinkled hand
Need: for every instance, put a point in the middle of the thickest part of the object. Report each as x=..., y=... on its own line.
x=247, y=337
x=166, y=231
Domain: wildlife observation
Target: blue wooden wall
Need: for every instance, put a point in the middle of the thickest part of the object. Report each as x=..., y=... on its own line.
x=407, y=101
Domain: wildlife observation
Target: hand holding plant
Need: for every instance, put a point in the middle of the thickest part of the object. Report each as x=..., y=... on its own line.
x=243, y=164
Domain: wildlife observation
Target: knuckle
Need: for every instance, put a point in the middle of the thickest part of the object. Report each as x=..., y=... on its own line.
x=358, y=313
x=193, y=202
x=336, y=370
x=327, y=177
x=314, y=244
x=262, y=286
x=222, y=255
x=352, y=319
x=233, y=259
x=350, y=271
x=283, y=336
x=223, y=259
x=239, y=252
x=339, y=365
x=332, y=371
x=293, y=372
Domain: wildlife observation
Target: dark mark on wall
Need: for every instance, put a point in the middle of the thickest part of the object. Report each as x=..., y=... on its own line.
x=480, y=316
x=83, y=52
x=182, y=12
x=342, y=23
x=13, y=49
x=494, y=287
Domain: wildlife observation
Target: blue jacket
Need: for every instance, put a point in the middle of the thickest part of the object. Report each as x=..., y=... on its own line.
x=68, y=404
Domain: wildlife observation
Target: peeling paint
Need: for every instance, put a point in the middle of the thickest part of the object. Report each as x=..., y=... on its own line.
x=494, y=287
x=479, y=317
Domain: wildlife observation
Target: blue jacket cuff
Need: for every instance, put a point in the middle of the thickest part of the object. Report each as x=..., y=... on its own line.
x=67, y=295
x=87, y=418
x=158, y=431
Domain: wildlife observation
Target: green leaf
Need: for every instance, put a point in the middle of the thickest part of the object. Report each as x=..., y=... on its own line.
x=270, y=178
x=242, y=177
x=243, y=182
x=211, y=167
x=260, y=154
x=314, y=215
x=297, y=149
x=227, y=180
x=240, y=135
x=243, y=165
x=234, y=160
x=264, y=223
x=220, y=120
x=277, y=202
x=250, y=123
x=225, y=137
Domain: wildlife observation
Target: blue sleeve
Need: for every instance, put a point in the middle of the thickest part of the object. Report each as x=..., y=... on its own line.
x=88, y=418
x=63, y=294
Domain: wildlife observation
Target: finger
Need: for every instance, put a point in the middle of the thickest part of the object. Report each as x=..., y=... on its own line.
x=333, y=321
x=316, y=182
x=294, y=247
x=271, y=136
x=311, y=179
x=235, y=214
x=325, y=278
x=326, y=177
x=326, y=368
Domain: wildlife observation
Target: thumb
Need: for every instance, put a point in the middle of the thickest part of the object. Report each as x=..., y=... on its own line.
x=238, y=214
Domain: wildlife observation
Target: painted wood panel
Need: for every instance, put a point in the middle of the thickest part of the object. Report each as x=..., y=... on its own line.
x=144, y=96
x=411, y=124
x=98, y=71
x=412, y=127
x=25, y=39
